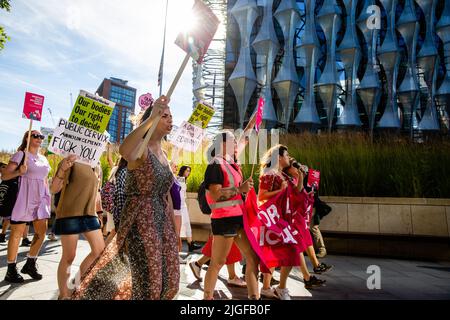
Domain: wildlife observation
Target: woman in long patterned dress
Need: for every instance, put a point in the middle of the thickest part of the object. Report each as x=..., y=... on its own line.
x=141, y=262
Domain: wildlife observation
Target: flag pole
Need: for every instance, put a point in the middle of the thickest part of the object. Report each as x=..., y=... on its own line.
x=158, y=117
x=28, y=141
x=161, y=65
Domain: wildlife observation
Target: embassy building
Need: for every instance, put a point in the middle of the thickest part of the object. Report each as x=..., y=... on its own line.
x=326, y=65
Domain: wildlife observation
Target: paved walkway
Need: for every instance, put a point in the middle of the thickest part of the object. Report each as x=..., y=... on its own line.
x=400, y=279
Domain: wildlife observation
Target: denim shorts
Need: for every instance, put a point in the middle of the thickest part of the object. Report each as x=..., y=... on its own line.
x=76, y=225
x=227, y=227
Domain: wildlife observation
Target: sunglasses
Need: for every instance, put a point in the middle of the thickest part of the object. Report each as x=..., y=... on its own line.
x=36, y=136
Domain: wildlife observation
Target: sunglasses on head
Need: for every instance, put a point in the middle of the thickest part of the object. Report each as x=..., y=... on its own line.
x=36, y=136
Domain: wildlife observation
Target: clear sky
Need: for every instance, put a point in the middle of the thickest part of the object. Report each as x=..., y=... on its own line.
x=58, y=47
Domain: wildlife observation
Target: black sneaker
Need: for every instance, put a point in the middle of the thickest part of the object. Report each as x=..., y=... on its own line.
x=30, y=269
x=273, y=281
x=321, y=268
x=313, y=282
x=25, y=242
x=193, y=246
x=12, y=275
x=2, y=238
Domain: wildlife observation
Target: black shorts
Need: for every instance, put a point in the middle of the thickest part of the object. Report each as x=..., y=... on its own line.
x=28, y=223
x=227, y=227
x=76, y=225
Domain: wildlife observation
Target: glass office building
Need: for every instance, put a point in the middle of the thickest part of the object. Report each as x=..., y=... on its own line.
x=370, y=65
x=118, y=91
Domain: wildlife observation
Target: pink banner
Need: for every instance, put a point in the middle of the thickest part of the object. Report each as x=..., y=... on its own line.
x=32, y=107
x=278, y=229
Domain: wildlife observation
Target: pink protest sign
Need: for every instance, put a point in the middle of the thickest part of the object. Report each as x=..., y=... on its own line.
x=196, y=40
x=259, y=113
x=32, y=107
x=314, y=178
x=145, y=101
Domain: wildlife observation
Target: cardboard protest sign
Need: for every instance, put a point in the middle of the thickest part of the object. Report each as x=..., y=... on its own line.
x=32, y=107
x=48, y=133
x=202, y=115
x=92, y=111
x=313, y=178
x=196, y=40
x=71, y=138
x=188, y=137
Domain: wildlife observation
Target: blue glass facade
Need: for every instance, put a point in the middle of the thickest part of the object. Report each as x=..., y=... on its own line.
x=124, y=96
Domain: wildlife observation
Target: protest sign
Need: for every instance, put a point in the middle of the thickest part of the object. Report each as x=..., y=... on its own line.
x=188, y=137
x=47, y=133
x=71, y=138
x=92, y=111
x=196, y=40
x=195, y=43
x=32, y=107
x=145, y=101
x=202, y=115
x=313, y=178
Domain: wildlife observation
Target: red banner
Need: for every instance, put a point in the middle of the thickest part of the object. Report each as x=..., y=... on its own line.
x=278, y=230
x=196, y=40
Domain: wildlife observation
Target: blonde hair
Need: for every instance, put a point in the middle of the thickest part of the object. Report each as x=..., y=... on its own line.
x=271, y=156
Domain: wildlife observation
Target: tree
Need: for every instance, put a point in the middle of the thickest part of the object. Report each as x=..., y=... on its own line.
x=4, y=4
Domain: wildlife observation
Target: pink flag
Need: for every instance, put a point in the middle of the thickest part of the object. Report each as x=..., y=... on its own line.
x=259, y=113
x=32, y=107
x=197, y=40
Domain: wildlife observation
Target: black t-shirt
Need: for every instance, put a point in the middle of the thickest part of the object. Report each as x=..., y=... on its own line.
x=213, y=175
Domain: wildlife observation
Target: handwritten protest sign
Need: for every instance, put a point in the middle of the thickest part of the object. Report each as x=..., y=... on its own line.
x=92, y=111
x=202, y=115
x=47, y=133
x=32, y=107
x=71, y=138
x=188, y=137
x=313, y=178
x=196, y=40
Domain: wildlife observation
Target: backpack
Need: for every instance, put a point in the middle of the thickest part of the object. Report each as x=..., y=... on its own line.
x=201, y=196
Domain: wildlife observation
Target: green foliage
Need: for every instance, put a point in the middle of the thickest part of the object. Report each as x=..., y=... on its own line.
x=351, y=165
x=4, y=4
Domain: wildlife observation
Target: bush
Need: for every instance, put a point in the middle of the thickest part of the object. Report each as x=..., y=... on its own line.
x=351, y=165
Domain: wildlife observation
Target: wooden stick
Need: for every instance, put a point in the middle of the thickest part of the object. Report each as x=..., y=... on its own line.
x=158, y=117
x=28, y=142
x=256, y=154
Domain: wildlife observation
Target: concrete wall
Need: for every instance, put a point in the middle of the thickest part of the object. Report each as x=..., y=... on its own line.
x=388, y=216
x=375, y=216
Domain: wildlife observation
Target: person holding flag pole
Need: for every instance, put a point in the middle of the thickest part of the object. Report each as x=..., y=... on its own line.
x=225, y=185
x=145, y=249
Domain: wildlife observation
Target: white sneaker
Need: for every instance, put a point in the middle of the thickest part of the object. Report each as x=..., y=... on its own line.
x=283, y=294
x=237, y=282
x=268, y=293
x=195, y=270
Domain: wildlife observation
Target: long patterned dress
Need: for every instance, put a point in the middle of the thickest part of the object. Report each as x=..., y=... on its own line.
x=141, y=262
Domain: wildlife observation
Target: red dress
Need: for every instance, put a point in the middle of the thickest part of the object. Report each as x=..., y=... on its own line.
x=233, y=257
